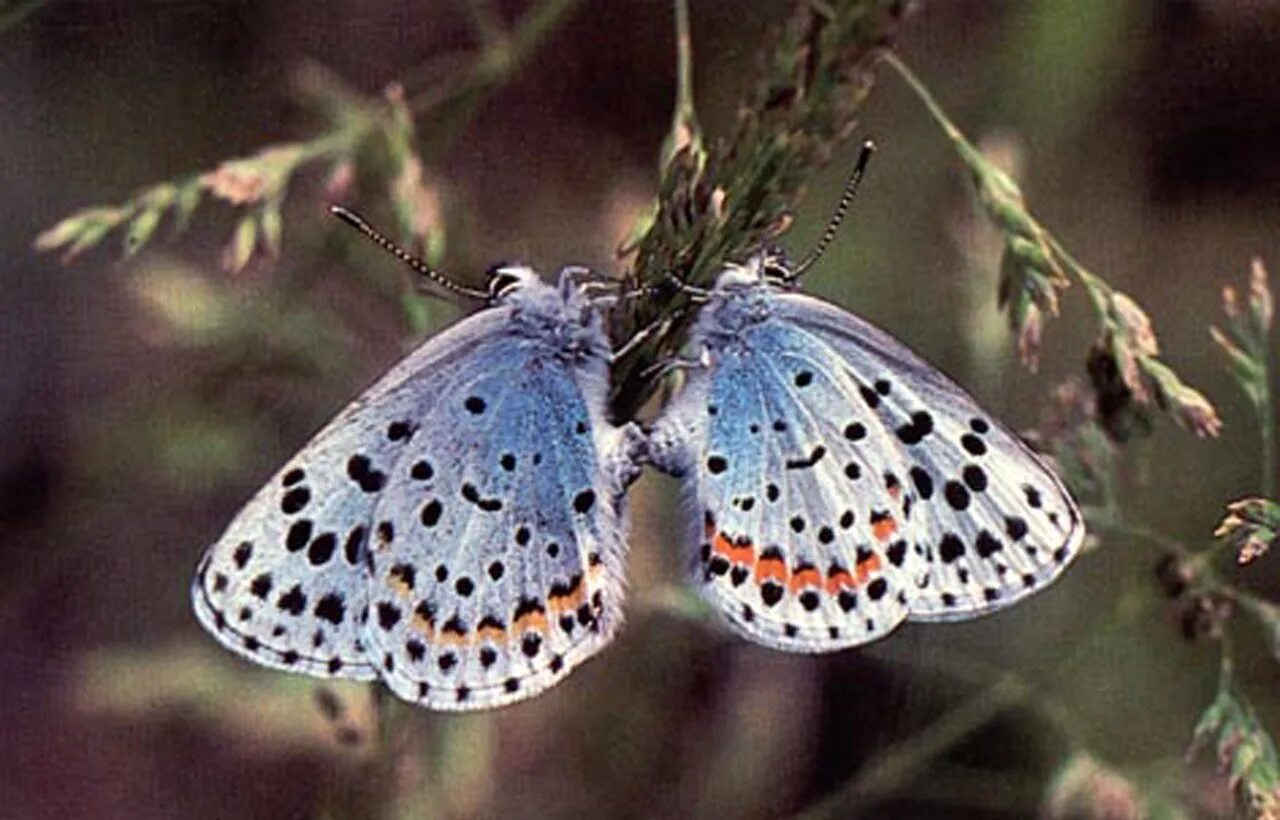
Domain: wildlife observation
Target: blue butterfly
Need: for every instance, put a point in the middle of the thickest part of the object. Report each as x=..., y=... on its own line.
x=458, y=530
x=842, y=484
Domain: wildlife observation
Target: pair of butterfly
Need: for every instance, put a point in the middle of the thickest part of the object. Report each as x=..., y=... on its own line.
x=459, y=529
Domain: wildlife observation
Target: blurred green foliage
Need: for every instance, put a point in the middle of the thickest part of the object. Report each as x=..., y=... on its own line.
x=1244, y=748
x=690, y=721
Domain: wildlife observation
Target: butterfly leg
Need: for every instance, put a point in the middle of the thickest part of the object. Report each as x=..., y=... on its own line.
x=625, y=452
x=657, y=327
x=578, y=277
x=694, y=292
x=609, y=300
x=659, y=369
x=667, y=449
x=671, y=440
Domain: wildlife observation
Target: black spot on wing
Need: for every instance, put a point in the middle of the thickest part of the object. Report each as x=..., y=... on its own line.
x=815, y=456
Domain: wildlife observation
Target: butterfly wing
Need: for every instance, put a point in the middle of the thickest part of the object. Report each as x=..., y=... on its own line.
x=996, y=523
x=283, y=583
x=351, y=561
x=824, y=497
x=502, y=564
x=802, y=544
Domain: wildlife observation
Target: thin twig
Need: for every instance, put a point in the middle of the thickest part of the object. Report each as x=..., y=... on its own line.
x=1266, y=424
x=902, y=761
x=1098, y=289
x=20, y=11
x=684, y=121
x=499, y=59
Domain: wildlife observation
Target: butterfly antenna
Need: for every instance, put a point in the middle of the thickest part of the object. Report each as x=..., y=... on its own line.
x=420, y=267
x=846, y=198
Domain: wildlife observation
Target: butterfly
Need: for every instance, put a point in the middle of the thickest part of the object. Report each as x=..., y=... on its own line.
x=458, y=530
x=842, y=485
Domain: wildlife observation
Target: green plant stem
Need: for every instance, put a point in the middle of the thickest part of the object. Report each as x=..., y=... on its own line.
x=499, y=58
x=927, y=98
x=684, y=61
x=684, y=121
x=1266, y=425
x=1225, y=665
x=18, y=12
x=897, y=764
x=955, y=789
x=485, y=20
x=1099, y=291
x=1118, y=526
x=724, y=200
x=907, y=758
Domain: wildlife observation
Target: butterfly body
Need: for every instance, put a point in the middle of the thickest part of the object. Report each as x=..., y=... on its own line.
x=840, y=484
x=458, y=530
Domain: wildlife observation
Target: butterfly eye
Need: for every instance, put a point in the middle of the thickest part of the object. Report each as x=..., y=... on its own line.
x=774, y=267
x=501, y=281
x=776, y=272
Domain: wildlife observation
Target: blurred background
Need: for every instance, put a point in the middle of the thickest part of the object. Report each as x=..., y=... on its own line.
x=143, y=400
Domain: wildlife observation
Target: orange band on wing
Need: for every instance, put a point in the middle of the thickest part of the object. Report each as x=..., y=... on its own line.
x=530, y=620
x=771, y=567
x=744, y=554
x=807, y=577
x=884, y=528
x=838, y=580
x=866, y=568
x=447, y=637
x=572, y=598
x=423, y=627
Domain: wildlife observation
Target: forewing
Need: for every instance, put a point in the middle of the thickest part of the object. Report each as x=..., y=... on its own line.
x=284, y=582
x=994, y=521
x=498, y=551
x=804, y=531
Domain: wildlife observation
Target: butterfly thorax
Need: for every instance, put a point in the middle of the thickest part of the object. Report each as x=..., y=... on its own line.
x=734, y=308
x=562, y=319
x=743, y=295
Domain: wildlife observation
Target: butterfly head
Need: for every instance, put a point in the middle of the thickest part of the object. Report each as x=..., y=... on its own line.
x=766, y=269
x=743, y=292
x=769, y=269
x=506, y=278
x=562, y=315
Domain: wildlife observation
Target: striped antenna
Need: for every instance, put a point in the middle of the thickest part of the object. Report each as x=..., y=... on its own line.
x=833, y=224
x=420, y=267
